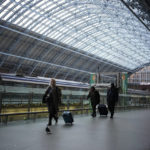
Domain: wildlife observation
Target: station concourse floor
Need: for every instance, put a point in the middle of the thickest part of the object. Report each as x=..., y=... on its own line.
x=128, y=130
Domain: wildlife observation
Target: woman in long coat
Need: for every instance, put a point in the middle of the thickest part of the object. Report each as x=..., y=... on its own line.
x=52, y=97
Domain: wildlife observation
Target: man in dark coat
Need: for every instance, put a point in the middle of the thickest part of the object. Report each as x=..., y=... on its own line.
x=112, y=98
x=52, y=97
x=95, y=99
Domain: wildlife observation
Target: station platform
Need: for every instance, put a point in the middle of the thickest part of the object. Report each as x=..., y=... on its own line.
x=128, y=130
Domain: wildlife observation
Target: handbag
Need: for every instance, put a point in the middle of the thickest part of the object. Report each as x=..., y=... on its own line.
x=47, y=96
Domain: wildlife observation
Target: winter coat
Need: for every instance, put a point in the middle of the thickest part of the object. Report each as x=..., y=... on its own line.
x=112, y=96
x=52, y=97
x=94, y=97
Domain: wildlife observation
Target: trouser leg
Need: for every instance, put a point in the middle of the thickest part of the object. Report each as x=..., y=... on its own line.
x=111, y=109
x=94, y=110
x=53, y=113
x=50, y=119
x=50, y=115
x=56, y=116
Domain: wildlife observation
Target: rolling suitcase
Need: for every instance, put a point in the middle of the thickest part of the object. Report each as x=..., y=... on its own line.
x=102, y=109
x=67, y=116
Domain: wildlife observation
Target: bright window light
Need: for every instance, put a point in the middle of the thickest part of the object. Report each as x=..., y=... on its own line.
x=91, y=26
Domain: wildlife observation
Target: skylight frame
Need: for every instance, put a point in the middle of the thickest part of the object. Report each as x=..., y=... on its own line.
x=59, y=28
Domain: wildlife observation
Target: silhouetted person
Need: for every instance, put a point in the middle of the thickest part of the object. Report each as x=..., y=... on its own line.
x=95, y=99
x=112, y=98
x=52, y=97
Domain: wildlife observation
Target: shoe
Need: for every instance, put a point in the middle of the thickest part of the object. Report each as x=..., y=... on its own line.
x=48, y=130
x=93, y=115
x=111, y=117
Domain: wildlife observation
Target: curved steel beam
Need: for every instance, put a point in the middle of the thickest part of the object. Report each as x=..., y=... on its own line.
x=76, y=52
x=42, y=62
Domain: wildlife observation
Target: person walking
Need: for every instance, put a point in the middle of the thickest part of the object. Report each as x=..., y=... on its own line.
x=112, y=99
x=95, y=99
x=52, y=98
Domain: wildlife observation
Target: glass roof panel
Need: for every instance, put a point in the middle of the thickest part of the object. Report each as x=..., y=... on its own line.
x=91, y=26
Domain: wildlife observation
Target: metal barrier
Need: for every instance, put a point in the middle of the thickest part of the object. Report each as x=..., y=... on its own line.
x=34, y=113
x=60, y=111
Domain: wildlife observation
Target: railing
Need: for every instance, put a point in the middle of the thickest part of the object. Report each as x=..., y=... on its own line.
x=29, y=105
x=6, y=116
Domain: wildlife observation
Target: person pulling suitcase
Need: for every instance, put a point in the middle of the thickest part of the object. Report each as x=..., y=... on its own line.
x=95, y=99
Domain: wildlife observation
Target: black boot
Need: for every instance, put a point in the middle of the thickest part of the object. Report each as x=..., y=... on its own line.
x=48, y=130
x=93, y=115
x=111, y=116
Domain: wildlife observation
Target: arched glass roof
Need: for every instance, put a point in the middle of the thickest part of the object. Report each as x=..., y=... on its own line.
x=105, y=28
